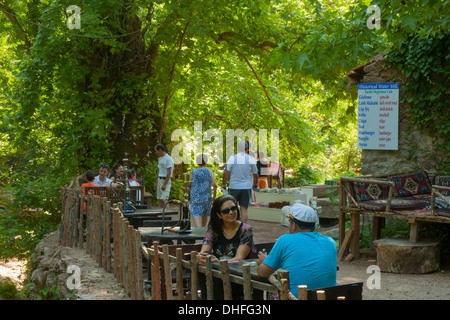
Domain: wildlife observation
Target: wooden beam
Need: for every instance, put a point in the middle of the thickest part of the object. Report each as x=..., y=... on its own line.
x=354, y=243
x=344, y=247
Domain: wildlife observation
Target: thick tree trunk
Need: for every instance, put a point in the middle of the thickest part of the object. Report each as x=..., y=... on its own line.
x=128, y=111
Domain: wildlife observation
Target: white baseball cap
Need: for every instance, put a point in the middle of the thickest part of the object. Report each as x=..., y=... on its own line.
x=303, y=213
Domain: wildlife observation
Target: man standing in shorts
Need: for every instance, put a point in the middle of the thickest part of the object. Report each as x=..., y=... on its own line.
x=162, y=183
x=242, y=173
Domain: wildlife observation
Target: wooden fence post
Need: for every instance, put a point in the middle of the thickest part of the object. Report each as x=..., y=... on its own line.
x=247, y=281
x=284, y=293
x=224, y=269
x=124, y=255
x=167, y=273
x=179, y=261
x=302, y=292
x=194, y=275
x=116, y=241
x=157, y=283
x=80, y=221
x=138, y=256
x=88, y=223
x=131, y=261
x=108, y=234
x=209, y=279
x=321, y=295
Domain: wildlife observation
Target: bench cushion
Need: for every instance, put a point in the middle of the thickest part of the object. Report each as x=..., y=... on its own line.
x=411, y=184
x=362, y=191
x=396, y=204
x=442, y=181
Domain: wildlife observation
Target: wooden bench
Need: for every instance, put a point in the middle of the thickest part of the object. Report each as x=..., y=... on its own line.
x=390, y=196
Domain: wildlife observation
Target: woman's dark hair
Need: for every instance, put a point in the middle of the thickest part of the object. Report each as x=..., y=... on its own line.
x=215, y=223
x=113, y=170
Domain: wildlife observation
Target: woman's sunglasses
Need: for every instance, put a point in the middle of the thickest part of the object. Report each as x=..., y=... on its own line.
x=228, y=210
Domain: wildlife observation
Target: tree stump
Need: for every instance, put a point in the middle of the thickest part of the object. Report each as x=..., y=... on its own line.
x=402, y=256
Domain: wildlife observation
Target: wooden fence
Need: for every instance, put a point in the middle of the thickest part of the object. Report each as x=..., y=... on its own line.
x=72, y=211
x=161, y=260
x=95, y=229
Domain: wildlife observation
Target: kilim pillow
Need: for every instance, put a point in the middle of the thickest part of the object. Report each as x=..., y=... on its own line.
x=411, y=184
x=442, y=181
x=363, y=191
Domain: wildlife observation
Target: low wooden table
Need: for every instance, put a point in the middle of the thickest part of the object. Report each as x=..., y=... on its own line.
x=136, y=218
x=150, y=234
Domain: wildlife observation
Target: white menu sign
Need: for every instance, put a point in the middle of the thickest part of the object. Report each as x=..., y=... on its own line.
x=378, y=116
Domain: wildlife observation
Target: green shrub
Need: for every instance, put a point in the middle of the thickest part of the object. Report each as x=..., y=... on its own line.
x=8, y=289
x=303, y=175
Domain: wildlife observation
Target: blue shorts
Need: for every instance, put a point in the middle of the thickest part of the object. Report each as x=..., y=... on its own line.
x=201, y=209
x=242, y=196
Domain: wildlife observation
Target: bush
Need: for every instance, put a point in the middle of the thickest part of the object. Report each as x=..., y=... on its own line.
x=303, y=175
x=8, y=289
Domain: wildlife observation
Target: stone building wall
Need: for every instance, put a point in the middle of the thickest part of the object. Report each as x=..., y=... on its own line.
x=386, y=162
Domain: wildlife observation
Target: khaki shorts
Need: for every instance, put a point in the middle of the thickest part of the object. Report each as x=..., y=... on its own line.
x=162, y=194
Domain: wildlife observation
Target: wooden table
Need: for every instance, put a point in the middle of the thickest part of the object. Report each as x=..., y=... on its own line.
x=153, y=212
x=136, y=218
x=150, y=234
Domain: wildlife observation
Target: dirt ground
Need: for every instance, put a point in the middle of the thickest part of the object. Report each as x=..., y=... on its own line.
x=97, y=284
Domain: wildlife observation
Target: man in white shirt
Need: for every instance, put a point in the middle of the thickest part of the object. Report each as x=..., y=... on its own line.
x=242, y=173
x=162, y=183
x=102, y=180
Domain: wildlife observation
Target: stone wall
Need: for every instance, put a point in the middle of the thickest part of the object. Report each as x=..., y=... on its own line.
x=48, y=270
x=47, y=274
x=385, y=162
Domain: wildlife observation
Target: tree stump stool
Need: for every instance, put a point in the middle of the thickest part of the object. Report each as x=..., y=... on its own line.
x=403, y=256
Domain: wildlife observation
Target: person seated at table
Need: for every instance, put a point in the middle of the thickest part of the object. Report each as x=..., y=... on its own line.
x=102, y=179
x=134, y=183
x=309, y=256
x=132, y=178
x=227, y=238
x=116, y=173
x=90, y=177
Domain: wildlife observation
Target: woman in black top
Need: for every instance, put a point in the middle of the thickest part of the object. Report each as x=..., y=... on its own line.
x=227, y=238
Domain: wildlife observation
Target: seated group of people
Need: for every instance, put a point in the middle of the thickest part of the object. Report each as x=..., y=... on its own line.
x=309, y=256
x=115, y=179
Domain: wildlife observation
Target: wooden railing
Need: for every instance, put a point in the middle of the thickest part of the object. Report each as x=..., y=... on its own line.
x=163, y=280
x=95, y=229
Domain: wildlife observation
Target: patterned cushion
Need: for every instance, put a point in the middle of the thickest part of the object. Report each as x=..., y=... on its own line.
x=411, y=185
x=363, y=191
x=442, y=181
x=396, y=204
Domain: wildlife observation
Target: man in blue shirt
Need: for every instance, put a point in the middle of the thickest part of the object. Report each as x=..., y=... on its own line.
x=309, y=256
